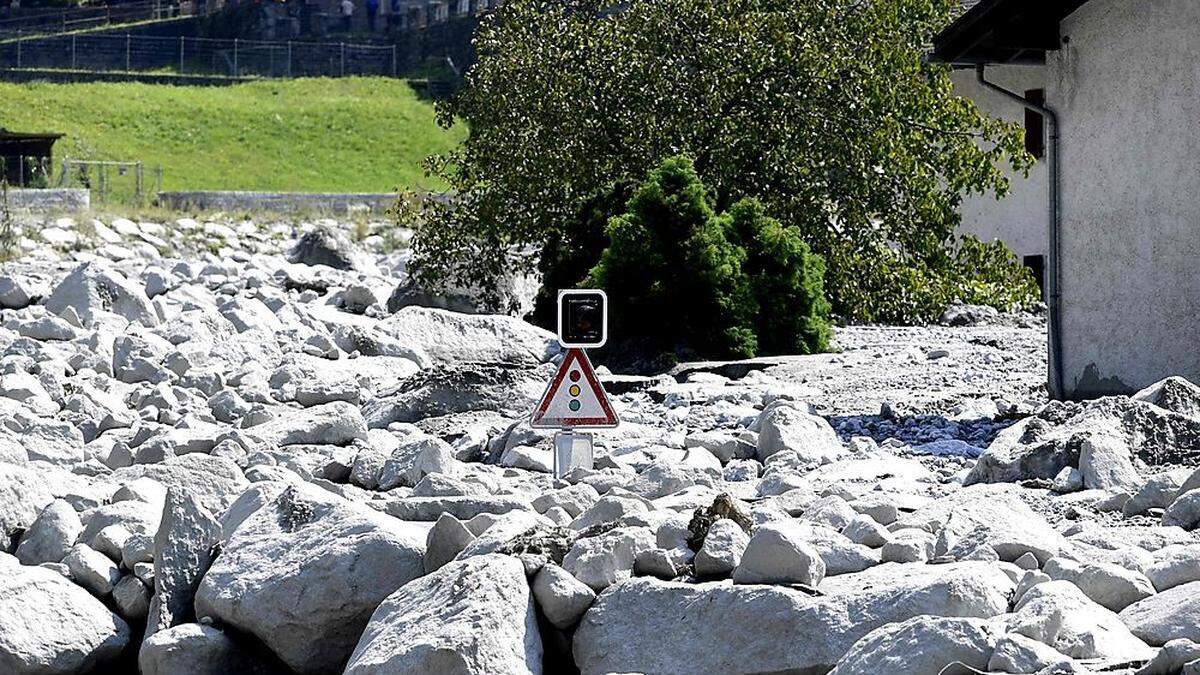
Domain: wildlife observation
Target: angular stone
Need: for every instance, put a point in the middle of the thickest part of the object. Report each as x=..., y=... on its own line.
x=183, y=550
x=722, y=550
x=650, y=626
x=92, y=570
x=50, y=625
x=809, y=436
x=51, y=535
x=562, y=597
x=1058, y=614
x=471, y=616
x=195, y=649
x=778, y=553
x=447, y=538
x=922, y=644
x=1171, y=615
x=304, y=573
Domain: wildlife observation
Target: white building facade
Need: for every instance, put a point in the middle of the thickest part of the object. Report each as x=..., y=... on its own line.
x=1121, y=77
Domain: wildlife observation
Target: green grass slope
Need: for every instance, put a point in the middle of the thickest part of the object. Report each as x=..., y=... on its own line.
x=309, y=135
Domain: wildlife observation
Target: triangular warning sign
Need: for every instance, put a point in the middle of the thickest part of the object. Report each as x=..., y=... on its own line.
x=574, y=398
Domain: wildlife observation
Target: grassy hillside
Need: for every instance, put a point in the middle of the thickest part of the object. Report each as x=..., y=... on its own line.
x=352, y=134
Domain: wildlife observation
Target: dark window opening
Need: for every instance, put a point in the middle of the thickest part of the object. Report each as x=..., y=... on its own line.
x=1035, y=125
x=1037, y=265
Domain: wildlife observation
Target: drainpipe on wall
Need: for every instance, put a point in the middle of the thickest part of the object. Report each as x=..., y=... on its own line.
x=1053, y=276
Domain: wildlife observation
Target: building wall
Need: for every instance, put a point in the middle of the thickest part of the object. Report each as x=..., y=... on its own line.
x=1020, y=219
x=1127, y=88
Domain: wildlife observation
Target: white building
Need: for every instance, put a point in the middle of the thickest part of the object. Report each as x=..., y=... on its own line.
x=1123, y=203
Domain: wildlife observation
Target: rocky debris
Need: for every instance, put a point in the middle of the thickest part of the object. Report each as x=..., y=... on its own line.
x=779, y=553
x=184, y=547
x=50, y=625
x=196, y=649
x=51, y=535
x=646, y=625
x=923, y=644
x=304, y=573
x=1173, y=614
x=248, y=455
x=561, y=597
x=1041, y=446
x=1058, y=614
x=722, y=551
x=332, y=248
x=471, y=616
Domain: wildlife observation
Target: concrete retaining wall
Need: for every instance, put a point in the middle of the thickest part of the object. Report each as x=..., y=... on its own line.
x=56, y=199
x=278, y=202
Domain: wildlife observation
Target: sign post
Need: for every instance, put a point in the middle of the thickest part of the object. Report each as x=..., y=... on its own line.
x=574, y=399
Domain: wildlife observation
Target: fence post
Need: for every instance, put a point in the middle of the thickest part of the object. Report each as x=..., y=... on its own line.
x=289, y=65
x=181, y=38
x=72, y=52
x=235, y=57
x=127, y=44
x=19, y=41
x=343, y=59
x=138, y=180
x=393, y=59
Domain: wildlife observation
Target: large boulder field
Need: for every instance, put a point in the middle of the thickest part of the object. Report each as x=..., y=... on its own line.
x=226, y=451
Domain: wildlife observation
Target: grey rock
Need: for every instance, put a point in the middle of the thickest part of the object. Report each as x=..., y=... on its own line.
x=183, y=551
x=722, y=550
x=1106, y=464
x=607, y=558
x=447, y=538
x=50, y=625
x=922, y=644
x=650, y=626
x=789, y=428
x=1058, y=614
x=562, y=597
x=463, y=508
x=1174, y=566
x=778, y=553
x=330, y=247
x=335, y=423
x=51, y=535
x=471, y=616
x=132, y=598
x=92, y=570
x=1016, y=653
x=304, y=573
x=1172, y=658
x=1171, y=615
x=449, y=337
x=93, y=288
x=1184, y=511
x=195, y=649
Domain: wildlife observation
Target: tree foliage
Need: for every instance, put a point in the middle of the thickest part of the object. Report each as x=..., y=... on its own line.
x=737, y=284
x=823, y=110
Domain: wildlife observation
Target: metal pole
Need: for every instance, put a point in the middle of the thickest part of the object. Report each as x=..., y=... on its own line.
x=181, y=54
x=343, y=59
x=19, y=53
x=72, y=52
x=235, y=57
x=393, y=59
x=289, y=66
x=138, y=181
x=127, y=68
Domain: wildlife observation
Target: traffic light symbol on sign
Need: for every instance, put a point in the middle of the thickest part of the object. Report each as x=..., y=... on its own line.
x=574, y=398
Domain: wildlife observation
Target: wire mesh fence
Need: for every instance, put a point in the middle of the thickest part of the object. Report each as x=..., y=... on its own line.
x=198, y=56
x=47, y=21
x=122, y=182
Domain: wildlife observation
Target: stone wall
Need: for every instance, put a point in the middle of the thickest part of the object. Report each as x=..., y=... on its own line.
x=52, y=200
x=278, y=202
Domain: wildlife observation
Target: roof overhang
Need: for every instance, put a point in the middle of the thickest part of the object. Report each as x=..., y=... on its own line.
x=1004, y=31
